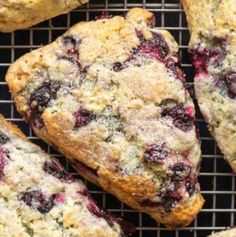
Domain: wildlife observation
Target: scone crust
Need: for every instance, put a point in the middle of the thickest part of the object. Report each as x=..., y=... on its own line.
x=124, y=187
x=13, y=128
x=21, y=14
x=213, y=28
x=216, y=19
x=71, y=199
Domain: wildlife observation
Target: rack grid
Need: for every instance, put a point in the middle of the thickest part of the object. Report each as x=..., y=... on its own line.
x=216, y=178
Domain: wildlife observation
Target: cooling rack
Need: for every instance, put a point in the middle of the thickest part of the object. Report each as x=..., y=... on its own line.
x=216, y=178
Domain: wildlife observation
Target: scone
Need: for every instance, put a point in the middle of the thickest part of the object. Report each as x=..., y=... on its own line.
x=226, y=233
x=39, y=198
x=213, y=49
x=110, y=96
x=20, y=14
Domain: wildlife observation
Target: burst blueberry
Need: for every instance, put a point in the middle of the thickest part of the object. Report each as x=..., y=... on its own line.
x=155, y=47
x=201, y=57
x=55, y=169
x=69, y=40
x=180, y=171
x=83, y=118
x=169, y=200
x=37, y=200
x=184, y=123
x=4, y=156
x=40, y=99
x=155, y=154
x=176, y=111
x=230, y=79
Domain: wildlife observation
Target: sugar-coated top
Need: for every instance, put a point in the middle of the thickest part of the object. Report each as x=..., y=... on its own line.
x=213, y=49
x=39, y=198
x=110, y=95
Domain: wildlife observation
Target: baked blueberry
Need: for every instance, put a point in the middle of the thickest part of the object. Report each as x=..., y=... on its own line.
x=156, y=46
x=177, y=112
x=230, y=79
x=40, y=99
x=83, y=117
x=4, y=155
x=180, y=171
x=58, y=171
x=155, y=154
x=37, y=200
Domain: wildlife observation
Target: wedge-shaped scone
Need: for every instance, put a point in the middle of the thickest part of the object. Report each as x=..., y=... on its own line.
x=213, y=49
x=20, y=14
x=110, y=96
x=39, y=198
x=226, y=233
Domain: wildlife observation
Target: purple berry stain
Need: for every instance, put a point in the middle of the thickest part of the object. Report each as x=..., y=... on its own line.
x=59, y=198
x=56, y=170
x=155, y=154
x=158, y=48
x=169, y=200
x=201, y=57
x=181, y=117
x=127, y=228
x=71, y=45
x=173, y=64
x=84, y=169
x=230, y=80
x=83, y=118
x=4, y=156
x=155, y=47
x=180, y=171
x=37, y=200
x=94, y=209
x=179, y=178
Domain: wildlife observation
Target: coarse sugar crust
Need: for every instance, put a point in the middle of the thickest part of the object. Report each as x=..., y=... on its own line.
x=109, y=94
x=213, y=49
x=39, y=198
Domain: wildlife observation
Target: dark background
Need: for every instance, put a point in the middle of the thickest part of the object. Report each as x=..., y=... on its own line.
x=216, y=178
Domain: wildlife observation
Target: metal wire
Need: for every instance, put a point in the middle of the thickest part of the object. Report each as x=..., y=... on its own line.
x=216, y=178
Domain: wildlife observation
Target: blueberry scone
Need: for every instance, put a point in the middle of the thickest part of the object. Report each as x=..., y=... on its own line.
x=110, y=96
x=213, y=49
x=20, y=14
x=226, y=233
x=39, y=198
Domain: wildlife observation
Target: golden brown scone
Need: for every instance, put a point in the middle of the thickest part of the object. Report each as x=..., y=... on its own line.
x=110, y=96
x=39, y=198
x=20, y=14
x=213, y=49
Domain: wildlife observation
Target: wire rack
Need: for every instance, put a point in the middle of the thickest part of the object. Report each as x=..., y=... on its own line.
x=216, y=178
